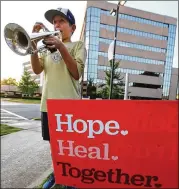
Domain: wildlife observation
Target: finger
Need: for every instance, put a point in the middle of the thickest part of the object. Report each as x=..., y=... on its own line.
x=48, y=38
x=48, y=42
x=37, y=28
x=41, y=24
x=51, y=40
x=51, y=46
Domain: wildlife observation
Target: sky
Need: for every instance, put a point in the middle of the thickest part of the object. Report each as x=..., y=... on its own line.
x=26, y=13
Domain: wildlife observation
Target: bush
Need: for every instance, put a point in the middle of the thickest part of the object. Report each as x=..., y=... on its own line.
x=19, y=97
x=32, y=98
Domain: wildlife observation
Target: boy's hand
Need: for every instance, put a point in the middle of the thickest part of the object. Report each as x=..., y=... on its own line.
x=52, y=42
x=36, y=28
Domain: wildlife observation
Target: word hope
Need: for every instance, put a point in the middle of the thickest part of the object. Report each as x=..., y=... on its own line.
x=110, y=127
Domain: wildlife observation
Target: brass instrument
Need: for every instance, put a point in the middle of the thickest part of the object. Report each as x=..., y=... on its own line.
x=21, y=43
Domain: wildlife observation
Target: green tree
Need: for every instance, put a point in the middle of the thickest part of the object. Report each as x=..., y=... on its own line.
x=118, y=84
x=27, y=85
x=91, y=89
x=9, y=81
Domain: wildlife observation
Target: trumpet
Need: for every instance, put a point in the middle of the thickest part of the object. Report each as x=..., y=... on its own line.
x=20, y=42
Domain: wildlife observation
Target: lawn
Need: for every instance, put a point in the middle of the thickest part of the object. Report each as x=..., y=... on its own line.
x=37, y=119
x=5, y=129
x=20, y=100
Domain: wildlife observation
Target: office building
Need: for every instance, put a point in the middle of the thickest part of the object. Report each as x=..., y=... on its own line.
x=145, y=48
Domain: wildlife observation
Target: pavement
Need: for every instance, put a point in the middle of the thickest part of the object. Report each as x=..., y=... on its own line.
x=25, y=157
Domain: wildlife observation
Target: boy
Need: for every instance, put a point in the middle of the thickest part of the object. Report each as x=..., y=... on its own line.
x=62, y=68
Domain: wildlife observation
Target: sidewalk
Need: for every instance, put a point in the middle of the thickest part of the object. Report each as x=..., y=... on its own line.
x=25, y=157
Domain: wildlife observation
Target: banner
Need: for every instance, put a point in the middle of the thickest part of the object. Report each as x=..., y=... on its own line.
x=114, y=143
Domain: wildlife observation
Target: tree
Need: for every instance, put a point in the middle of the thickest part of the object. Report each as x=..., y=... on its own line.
x=9, y=81
x=27, y=85
x=91, y=89
x=118, y=84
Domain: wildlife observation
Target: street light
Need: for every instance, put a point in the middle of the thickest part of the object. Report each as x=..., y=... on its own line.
x=122, y=3
x=114, y=13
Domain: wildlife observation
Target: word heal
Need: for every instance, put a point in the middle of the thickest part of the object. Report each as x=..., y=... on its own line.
x=71, y=149
x=110, y=127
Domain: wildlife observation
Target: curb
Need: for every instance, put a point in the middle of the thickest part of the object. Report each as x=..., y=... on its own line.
x=40, y=179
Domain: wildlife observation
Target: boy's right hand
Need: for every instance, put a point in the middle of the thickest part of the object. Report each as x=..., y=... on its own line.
x=36, y=28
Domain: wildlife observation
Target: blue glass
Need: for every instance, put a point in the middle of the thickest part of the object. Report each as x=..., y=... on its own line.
x=88, y=19
x=87, y=26
x=88, y=11
x=92, y=39
x=169, y=59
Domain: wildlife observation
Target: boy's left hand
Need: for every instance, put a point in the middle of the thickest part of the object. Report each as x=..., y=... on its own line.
x=52, y=42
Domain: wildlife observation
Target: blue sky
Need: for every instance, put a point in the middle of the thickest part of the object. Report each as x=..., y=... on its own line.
x=11, y=64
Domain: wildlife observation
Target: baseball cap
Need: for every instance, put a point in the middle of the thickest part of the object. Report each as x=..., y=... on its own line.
x=66, y=13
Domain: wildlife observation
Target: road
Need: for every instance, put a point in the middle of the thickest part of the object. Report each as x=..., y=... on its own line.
x=27, y=111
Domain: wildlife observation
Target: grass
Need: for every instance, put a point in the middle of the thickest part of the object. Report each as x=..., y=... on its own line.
x=20, y=100
x=6, y=129
x=37, y=119
x=54, y=187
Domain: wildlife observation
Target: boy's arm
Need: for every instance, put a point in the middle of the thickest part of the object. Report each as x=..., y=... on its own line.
x=36, y=63
x=69, y=61
x=75, y=64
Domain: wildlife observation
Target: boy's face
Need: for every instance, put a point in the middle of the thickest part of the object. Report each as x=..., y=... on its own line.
x=60, y=23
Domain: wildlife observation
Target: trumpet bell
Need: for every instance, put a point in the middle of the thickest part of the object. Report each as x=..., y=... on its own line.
x=20, y=42
x=17, y=39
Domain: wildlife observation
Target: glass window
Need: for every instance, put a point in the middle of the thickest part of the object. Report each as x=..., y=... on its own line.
x=92, y=11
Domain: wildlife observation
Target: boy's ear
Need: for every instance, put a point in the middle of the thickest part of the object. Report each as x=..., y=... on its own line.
x=73, y=28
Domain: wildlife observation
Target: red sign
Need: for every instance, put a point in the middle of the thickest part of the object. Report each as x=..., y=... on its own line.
x=114, y=143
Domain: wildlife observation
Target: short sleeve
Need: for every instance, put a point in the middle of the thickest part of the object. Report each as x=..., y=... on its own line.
x=80, y=57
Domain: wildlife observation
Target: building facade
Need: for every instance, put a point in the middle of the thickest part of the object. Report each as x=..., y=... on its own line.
x=144, y=47
x=174, y=84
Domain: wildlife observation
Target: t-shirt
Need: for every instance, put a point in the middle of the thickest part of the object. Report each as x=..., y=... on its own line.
x=58, y=82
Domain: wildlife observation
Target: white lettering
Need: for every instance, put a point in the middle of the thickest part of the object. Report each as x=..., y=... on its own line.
x=69, y=148
x=106, y=151
x=95, y=151
x=84, y=126
x=91, y=128
x=59, y=123
x=108, y=127
x=77, y=151
x=80, y=151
